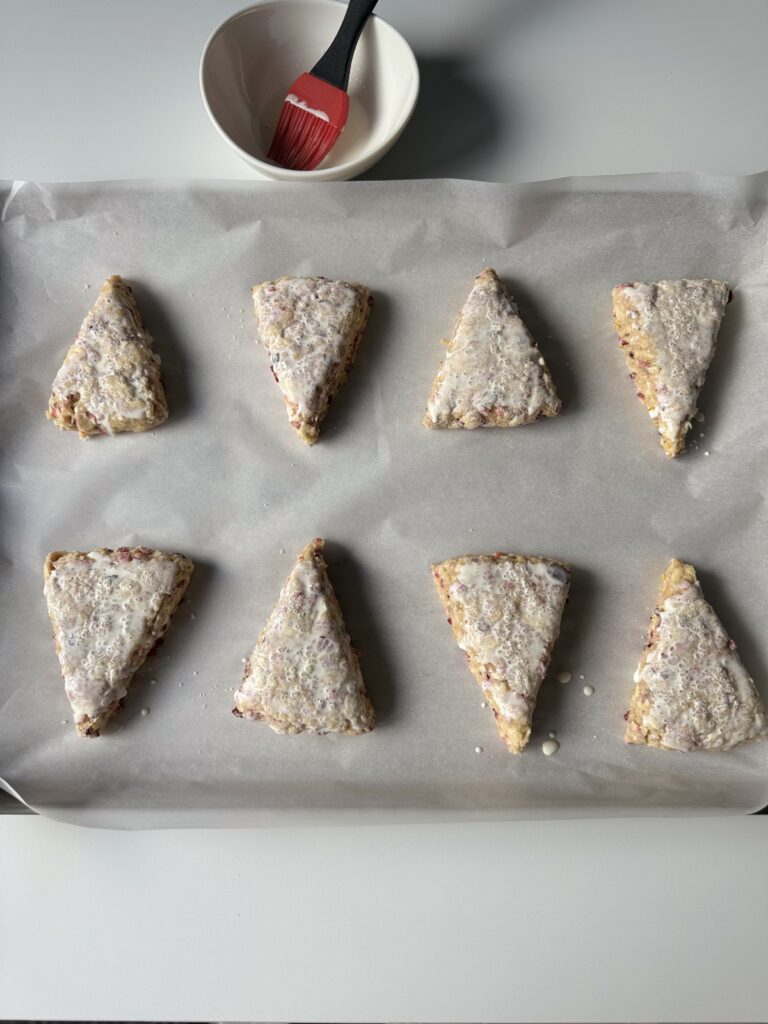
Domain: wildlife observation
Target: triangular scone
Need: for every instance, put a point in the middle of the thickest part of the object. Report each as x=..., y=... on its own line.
x=109, y=381
x=108, y=610
x=493, y=375
x=303, y=674
x=505, y=613
x=668, y=330
x=311, y=328
x=692, y=692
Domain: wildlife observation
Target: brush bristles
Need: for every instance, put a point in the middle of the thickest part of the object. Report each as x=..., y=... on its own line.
x=301, y=139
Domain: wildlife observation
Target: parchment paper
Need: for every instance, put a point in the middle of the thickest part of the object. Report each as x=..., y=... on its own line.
x=227, y=482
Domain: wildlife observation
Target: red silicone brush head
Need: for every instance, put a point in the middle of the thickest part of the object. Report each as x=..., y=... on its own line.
x=311, y=121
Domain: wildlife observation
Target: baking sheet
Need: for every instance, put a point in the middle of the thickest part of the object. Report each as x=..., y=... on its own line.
x=227, y=482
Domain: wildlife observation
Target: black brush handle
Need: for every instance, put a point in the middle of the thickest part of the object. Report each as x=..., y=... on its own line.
x=333, y=67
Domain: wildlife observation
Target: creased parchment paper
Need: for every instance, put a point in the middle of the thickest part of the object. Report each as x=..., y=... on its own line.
x=227, y=482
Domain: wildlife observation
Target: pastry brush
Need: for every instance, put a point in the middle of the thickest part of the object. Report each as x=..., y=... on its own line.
x=317, y=105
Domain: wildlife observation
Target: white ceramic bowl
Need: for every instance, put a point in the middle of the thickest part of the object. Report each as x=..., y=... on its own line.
x=252, y=58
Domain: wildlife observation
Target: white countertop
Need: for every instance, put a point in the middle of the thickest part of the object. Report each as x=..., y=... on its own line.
x=607, y=920
x=591, y=921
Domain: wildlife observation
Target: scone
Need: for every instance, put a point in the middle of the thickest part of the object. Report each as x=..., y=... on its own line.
x=668, y=330
x=692, y=692
x=108, y=610
x=493, y=375
x=109, y=381
x=505, y=613
x=311, y=328
x=304, y=675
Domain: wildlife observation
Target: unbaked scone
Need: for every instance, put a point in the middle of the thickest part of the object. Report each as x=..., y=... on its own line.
x=505, y=613
x=692, y=691
x=304, y=674
x=493, y=375
x=108, y=609
x=668, y=330
x=311, y=328
x=109, y=381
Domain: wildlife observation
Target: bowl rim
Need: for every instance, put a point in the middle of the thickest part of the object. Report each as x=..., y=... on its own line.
x=338, y=170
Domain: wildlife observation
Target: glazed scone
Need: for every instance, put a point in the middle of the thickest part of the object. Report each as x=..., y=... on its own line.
x=493, y=375
x=303, y=674
x=668, y=330
x=311, y=328
x=108, y=609
x=692, y=691
x=505, y=613
x=109, y=381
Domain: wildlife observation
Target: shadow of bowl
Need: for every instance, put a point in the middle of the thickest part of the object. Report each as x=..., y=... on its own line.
x=455, y=118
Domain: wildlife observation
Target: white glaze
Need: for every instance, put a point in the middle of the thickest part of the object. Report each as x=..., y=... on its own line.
x=681, y=318
x=294, y=100
x=104, y=609
x=549, y=747
x=303, y=675
x=511, y=617
x=309, y=326
x=111, y=374
x=491, y=364
x=695, y=692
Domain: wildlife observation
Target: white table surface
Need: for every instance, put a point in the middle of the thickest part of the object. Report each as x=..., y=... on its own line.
x=608, y=920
